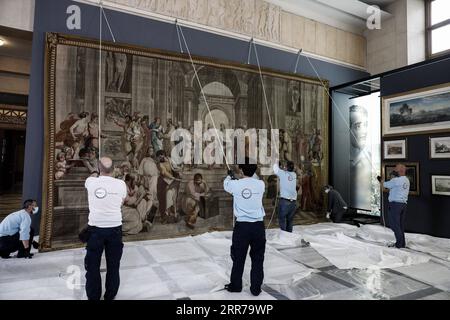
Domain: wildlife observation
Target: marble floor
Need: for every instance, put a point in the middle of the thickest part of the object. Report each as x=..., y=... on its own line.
x=198, y=267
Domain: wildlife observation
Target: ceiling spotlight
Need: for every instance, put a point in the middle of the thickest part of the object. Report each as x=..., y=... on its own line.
x=2, y=42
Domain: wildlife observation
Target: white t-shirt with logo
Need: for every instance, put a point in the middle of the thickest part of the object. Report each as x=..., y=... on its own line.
x=105, y=196
x=288, y=183
x=247, y=198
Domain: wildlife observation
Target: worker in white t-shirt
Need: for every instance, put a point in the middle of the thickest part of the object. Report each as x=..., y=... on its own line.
x=249, y=230
x=106, y=196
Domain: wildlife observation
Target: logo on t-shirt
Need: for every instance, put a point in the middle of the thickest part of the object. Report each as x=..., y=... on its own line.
x=290, y=178
x=405, y=186
x=246, y=193
x=100, y=193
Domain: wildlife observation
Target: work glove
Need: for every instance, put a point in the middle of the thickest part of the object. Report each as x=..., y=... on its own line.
x=328, y=215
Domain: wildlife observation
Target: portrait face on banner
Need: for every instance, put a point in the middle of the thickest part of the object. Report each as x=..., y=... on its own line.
x=365, y=164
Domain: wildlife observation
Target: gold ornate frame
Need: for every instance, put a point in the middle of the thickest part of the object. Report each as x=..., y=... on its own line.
x=55, y=39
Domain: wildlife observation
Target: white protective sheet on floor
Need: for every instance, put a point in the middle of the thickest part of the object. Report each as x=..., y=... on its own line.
x=347, y=253
x=438, y=247
x=280, y=239
x=326, y=228
x=278, y=268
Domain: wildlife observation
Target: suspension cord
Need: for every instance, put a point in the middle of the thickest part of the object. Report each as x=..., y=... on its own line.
x=100, y=82
x=100, y=69
x=270, y=121
x=204, y=97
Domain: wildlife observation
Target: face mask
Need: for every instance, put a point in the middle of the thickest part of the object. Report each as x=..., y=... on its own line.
x=328, y=190
x=35, y=210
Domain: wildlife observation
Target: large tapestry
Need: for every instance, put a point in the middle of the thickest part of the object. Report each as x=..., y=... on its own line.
x=127, y=103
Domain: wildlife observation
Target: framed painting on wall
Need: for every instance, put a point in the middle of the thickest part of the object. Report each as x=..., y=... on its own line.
x=440, y=185
x=420, y=111
x=412, y=173
x=440, y=148
x=128, y=103
x=395, y=149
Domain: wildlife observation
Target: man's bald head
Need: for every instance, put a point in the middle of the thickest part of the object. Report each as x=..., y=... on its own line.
x=105, y=166
x=401, y=169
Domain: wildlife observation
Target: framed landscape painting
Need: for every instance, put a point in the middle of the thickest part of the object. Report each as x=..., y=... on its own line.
x=395, y=149
x=420, y=111
x=440, y=185
x=440, y=148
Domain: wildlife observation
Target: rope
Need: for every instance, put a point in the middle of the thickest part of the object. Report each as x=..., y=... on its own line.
x=270, y=120
x=99, y=111
x=100, y=83
x=204, y=97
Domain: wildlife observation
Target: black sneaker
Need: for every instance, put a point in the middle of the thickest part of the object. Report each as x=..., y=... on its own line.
x=229, y=288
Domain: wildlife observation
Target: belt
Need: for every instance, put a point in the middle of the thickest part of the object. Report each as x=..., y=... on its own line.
x=290, y=200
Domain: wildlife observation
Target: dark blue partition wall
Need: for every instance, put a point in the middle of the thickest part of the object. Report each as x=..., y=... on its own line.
x=427, y=213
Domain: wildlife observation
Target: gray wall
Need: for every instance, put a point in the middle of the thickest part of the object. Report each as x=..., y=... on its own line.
x=50, y=16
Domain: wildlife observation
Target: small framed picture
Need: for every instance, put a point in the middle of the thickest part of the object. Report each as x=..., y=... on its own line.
x=440, y=148
x=395, y=149
x=440, y=185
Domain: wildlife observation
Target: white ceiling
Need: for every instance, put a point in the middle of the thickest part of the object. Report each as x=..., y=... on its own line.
x=349, y=15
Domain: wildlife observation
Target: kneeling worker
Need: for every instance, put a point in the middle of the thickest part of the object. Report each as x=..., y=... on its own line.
x=336, y=205
x=249, y=229
x=16, y=232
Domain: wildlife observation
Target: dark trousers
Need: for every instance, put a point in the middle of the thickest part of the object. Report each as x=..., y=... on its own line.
x=110, y=240
x=286, y=214
x=245, y=235
x=10, y=244
x=396, y=216
x=337, y=217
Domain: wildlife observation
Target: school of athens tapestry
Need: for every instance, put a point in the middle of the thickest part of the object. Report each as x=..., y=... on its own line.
x=129, y=113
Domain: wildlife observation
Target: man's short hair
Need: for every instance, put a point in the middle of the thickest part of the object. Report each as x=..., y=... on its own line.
x=28, y=203
x=105, y=169
x=248, y=168
x=290, y=166
x=198, y=176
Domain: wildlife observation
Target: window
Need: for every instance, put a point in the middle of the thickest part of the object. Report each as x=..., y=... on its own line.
x=438, y=27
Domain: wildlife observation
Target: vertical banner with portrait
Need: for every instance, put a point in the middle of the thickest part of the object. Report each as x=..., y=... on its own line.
x=365, y=164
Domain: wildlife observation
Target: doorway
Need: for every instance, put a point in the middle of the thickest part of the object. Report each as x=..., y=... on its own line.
x=12, y=155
